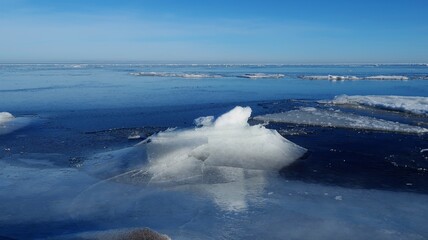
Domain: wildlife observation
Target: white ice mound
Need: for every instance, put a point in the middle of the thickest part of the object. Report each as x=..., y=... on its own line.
x=222, y=149
x=9, y=123
x=330, y=118
x=415, y=105
x=228, y=141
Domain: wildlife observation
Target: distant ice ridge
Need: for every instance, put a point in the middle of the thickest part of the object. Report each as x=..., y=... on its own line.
x=330, y=77
x=331, y=118
x=261, y=75
x=9, y=123
x=415, y=105
x=180, y=75
x=343, y=78
x=386, y=77
x=221, y=147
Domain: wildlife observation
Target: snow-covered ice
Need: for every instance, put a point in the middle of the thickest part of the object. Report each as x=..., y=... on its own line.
x=415, y=105
x=179, y=75
x=261, y=75
x=387, y=77
x=330, y=77
x=336, y=118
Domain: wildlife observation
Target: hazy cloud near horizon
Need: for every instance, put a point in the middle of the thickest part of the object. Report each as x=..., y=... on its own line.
x=44, y=31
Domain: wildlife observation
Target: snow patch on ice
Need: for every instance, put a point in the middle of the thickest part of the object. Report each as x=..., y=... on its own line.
x=330, y=118
x=415, y=105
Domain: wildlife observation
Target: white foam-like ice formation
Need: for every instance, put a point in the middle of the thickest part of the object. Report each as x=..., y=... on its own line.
x=221, y=147
x=331, y=77
x=5, y=117
x=330, y=118
x=179, y=75
x=229, y=141
x=9, y=123
x=415, y=105
x=388, y=77
x=261, y=75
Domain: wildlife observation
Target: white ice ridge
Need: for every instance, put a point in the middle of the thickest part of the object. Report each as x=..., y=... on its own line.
x=226, y=147
x=330, y=118
x=415, y=105
x=331, y=77
x=387, y=77
x=343, y=78
x=261, y=75
x=179, y=75
x=9, y=123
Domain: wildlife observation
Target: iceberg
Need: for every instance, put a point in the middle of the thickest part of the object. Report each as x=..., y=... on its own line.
x=414, y=105
x=330, y=118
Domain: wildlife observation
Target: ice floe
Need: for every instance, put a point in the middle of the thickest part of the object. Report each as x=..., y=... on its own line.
x=9, y=123
x=343, y=78
x=336, y=118
x=261, y=75
x=415, y=105
x=387, y=77
x=179, y=75
x=330, y=77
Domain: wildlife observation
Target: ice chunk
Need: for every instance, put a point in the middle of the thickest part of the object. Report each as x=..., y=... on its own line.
x=229, y=142
x=387, y=77
x=261, y=75
x=330, y=118
x=183, y=156
x=330, y=77
x=204, y=121
x=9, y=123
x=5, y=117
x=415, y=105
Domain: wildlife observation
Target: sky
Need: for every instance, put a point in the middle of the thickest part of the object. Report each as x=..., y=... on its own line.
x=215, y=31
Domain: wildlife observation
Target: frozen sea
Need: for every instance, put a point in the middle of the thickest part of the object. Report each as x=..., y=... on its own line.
x=329, y=152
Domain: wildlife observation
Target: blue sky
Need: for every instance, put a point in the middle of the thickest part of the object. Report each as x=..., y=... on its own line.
x=214, y=31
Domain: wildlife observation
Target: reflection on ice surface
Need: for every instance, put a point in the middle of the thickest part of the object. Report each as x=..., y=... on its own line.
x=274, y=208
x=415, y=105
